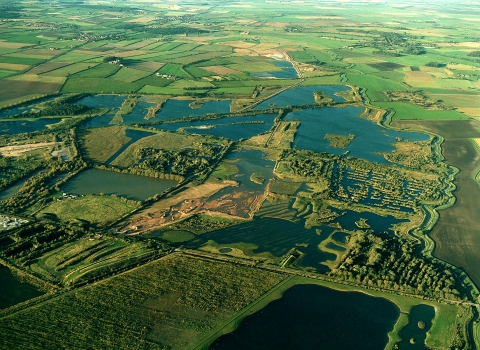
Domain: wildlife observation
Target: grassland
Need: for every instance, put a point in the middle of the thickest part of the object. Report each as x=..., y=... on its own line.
x=94, y=209
x=100, y=144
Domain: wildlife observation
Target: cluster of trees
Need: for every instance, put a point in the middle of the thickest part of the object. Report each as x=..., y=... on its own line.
x=38, y=186
x=390, y=262
x=65, y=106
x=183, y=162
x=13, y=169
x=308, y=164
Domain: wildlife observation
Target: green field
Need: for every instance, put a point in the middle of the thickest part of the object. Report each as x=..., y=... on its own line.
x=99, y=86
x=407, y=111
x=174, y=70
x=94, y=209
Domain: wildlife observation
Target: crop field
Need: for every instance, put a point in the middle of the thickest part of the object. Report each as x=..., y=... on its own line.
x=407, y=111
x=47, y=67
x=174, y=70
x=173, y=302
x=68, y=69
x=94, y=209
x=15, y=90
x=130, y=74
x=99, y=86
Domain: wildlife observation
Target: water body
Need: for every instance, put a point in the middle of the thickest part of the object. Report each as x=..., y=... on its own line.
x=276, y=236
x=234, y=128
x=13, y=291
x=11, y=190
x=173, y=109
x=137, y=115
x=377, y=223
x=12, y=127
x=102, y=101
x=315, y=317
x=25, y=107
x=418, y=313
x=136, y=187
x=370, y=138
x=302, y=95
x=134, y=135
x=287, y=71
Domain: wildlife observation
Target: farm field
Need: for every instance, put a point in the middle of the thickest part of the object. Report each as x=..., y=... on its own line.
x=176, y=174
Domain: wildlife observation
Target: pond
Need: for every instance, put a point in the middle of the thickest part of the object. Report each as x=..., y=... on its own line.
x=135, y=187
x=415, y=332
x=377, y=223
x=11, y=190
x=234, y=128
x=287, y=71
x=12, y=290
x=137, y=115
x=371, y=140
x=302, y=95
x=315, y=317
x=11, y=127
x=173, y=109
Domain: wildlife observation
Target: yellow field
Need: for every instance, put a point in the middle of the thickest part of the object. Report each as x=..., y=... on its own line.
x=477, y=141
x=9, y=45
x=420, y=79
x=221, y=70
x=38, y=78
x=13, y=66
x=471, y=112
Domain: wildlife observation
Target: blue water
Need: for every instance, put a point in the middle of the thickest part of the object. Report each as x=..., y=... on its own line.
x=20, y=126
x=26, y=107
x=137, y=115
x=418, y=313
x=287, y=72
x=226, y=127
x=302, y=95
x=370, y=138
x=377, y=223
x=315, y=317
x=173, y=109
x=130, y=186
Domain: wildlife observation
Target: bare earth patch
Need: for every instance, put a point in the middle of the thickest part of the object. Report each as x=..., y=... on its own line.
x=16, y=151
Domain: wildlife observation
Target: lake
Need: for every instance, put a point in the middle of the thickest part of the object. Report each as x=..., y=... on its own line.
x=370, y=139
x=302, y=95
x=130, y=186
x=12, y=290
x=25, y=107
x=234, y=128
x=315, y=317
x=11, y=127
x=413, y=329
